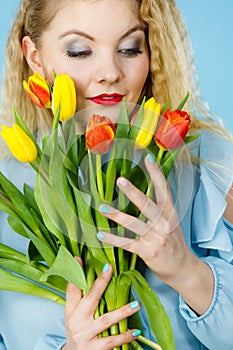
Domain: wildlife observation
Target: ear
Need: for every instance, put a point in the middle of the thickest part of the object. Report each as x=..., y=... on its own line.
x=31, y=55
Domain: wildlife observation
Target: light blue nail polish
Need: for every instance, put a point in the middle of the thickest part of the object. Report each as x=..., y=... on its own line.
x=137, y=332
x=104, y=209
x=105, y=268
x=134, y=304
x=100, y=236
x=150, y=158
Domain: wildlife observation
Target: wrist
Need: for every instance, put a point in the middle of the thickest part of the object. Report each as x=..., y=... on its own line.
x=195, y=283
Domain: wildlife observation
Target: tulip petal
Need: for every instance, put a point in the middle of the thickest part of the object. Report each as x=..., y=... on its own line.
x=19, y=143
x=100, y=134
x=33, y=97
x=38, y=90
x=173, y=129
x=152, y=111
x=64, y=93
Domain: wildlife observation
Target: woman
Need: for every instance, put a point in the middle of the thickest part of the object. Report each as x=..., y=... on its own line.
x=114, y=49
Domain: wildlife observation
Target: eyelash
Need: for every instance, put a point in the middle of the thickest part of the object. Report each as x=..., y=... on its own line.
x=78, y=54
x=132, y=52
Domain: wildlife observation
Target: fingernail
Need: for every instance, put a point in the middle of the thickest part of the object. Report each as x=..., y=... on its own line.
x=150, y=158
x=122, y=181
x=100, y=236
x=104, y=209
x=134, y=304
x=137, y=332
x=105, y=268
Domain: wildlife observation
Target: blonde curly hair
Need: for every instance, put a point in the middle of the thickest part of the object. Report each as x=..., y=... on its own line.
x=172, y=71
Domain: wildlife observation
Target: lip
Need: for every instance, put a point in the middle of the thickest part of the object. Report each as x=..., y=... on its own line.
x=107, y=99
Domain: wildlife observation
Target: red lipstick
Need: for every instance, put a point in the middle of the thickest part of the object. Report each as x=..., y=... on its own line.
x=107, y=99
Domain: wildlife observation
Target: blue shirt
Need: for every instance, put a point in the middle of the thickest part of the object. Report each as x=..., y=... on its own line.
x=199, y=190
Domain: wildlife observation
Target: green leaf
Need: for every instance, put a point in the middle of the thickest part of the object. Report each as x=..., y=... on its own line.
x=63, y=198
x=101, y=222
x=21, y=268
x=68, y=268
x=13, y=218
x=165, y=107
x=137, y=122
x=19, y=201
x=182, y=103
x=29, y=194
x=191, y=138
x=70, y=137
x=110, y=177
x=13, y=283
x=157, y=316
x=32, y=253
x=168, y=161
x=89, y=231
x=123, y=122
x=42, y=246
x=56, y=118
x=17, y=225
x=47, y=207
x=10, y=253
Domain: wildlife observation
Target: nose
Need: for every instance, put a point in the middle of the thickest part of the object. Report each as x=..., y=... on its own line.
x=108, y=69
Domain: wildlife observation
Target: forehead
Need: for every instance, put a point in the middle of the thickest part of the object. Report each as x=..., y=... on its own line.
x=93, y=14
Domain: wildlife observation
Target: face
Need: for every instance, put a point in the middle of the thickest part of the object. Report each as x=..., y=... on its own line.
x=101, y=44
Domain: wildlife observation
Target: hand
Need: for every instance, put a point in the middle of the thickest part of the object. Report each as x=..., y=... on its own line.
x=160, y=241
x=82, y=329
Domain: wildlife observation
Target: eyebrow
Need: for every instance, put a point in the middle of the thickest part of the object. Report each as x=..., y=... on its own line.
x=87, y=36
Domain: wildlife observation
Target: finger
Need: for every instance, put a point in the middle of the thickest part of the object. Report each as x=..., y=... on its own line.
x=160, y=184
x=73, y=295
x=113, y=342
x=147, y=207
x=131, y=245
x=91, y=299
x=130, y=222
x=107, y=320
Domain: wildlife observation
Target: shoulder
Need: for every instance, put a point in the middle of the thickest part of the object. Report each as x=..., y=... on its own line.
x=215, y=158
x=215, y=181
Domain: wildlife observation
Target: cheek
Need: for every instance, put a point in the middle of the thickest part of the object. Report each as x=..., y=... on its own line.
x=139, y=76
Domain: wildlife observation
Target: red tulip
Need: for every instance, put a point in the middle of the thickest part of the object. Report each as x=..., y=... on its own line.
x=172, y=130
x=38, y=90
x=100, y=134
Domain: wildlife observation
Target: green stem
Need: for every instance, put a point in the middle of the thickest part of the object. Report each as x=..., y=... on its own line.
x=150, y=343
x=56, y=118
x=40, y=170
x=135, y=346
x=99, y=176
x=101, y=311
x=160, y=155
x=123, y=327
x=133, y=261
x=115, y=331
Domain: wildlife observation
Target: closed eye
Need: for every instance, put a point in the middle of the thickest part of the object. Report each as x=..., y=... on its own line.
x=78, y=54
x=132, y=52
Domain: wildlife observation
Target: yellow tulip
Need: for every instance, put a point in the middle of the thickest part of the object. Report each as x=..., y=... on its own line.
x=19, y=143
x=64, y=95
x=152, y=110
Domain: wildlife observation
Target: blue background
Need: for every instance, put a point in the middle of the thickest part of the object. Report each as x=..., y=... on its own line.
x=210, y=27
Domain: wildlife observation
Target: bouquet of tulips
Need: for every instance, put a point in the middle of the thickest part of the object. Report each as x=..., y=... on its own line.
x=75, y=174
